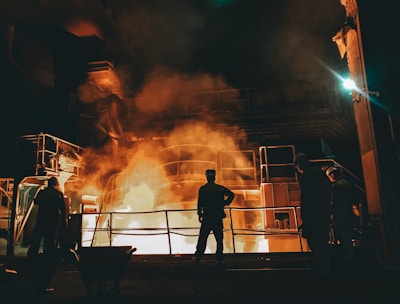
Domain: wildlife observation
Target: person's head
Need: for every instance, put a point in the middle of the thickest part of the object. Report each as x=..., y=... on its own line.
x=52, y=182
x=300, y=161
x=332, y=173
x=210, y=175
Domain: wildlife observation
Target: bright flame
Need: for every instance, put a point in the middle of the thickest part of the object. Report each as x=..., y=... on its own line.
x=141, y=196
x=152, y=195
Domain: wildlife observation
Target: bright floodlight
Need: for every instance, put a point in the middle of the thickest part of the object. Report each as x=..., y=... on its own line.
x=349, y=84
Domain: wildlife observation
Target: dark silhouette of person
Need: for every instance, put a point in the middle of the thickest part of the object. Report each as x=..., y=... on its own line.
x=50, y=220
x=315, y=197
x=343, y=198
x=212, y=198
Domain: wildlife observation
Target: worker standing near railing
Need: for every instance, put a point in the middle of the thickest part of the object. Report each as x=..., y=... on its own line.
x=343, y=199
x=212, y=199
x=50, y=220
x=315, y=207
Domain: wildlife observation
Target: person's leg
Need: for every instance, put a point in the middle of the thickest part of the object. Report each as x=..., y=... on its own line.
x=347, y=250
x=219, y=238
x=34, y=245
x=49, y=243
x=202, y=241
x=321, y=251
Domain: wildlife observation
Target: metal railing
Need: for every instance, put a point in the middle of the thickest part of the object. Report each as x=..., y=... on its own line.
x=246, y=230
x=54, y=154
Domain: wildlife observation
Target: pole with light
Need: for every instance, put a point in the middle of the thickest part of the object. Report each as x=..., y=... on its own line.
x=349, y=43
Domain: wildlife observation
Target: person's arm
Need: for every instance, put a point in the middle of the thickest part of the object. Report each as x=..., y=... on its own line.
x=229, y=196
x=37, y=198
x=63, y=211
x=200, y=206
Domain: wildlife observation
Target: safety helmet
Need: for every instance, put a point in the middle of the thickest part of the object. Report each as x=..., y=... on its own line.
x=330, y=170
x=210, y=172
x=52, y=181
x=301, y=159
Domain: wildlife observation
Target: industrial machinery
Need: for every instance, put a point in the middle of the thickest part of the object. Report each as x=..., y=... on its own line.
x=152, y=200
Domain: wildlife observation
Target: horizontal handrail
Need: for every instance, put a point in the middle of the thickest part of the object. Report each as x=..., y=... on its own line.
x=165, y=228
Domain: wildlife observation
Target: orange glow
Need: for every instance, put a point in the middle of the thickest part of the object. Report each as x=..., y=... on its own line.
x=83, y=28
x=137, y=182
x=101, y=82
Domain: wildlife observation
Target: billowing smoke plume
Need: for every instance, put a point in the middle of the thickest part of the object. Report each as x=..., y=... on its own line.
x=139, y=173
x=163, y=89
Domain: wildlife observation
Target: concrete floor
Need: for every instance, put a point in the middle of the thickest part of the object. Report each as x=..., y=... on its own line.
x=246, y=278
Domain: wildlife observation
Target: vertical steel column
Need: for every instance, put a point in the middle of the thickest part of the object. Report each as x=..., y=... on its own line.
x=365, y=124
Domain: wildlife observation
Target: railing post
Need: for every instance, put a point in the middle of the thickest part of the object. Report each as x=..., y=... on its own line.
x=232, y=231
x=168, y=232
x=110, y=228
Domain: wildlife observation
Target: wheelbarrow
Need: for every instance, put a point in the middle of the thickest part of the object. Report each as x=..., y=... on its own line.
x=101, y=265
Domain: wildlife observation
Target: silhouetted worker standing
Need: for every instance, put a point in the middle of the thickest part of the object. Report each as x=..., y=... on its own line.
x=212, y=199
x=50, y=217
x=315, y=207
x=343, y=198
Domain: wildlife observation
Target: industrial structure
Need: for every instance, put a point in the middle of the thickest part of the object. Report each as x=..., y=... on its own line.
x=264, y=217
x=83, y=121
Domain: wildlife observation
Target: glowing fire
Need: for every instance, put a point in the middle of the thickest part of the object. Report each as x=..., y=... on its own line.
x=147, y=201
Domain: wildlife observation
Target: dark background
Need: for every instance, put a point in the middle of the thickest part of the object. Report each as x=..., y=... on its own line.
x=247, y=44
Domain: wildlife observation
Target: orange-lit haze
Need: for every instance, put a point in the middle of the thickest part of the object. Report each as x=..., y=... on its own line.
x=139, y=181
x=135, y=182
x=83, y=28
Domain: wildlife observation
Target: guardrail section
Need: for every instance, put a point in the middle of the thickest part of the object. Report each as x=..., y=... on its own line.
x=272, y=229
